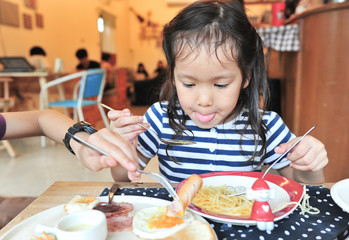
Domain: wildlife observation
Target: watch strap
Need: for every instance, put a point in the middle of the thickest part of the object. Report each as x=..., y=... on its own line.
x=77, y=127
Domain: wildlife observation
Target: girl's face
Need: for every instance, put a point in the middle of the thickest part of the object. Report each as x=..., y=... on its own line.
x=208, y=86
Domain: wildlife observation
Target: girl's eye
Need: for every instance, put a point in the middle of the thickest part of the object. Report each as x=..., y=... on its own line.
x=221, y=85
x=188, y=85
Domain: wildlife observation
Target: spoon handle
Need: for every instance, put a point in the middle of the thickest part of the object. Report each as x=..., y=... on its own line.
x=112, y=191
x=83, y=142
x=290, y=148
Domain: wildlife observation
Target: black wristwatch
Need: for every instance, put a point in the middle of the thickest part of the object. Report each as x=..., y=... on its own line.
x=77, y=127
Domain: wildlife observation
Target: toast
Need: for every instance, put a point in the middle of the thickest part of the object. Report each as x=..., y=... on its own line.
x=196, y=230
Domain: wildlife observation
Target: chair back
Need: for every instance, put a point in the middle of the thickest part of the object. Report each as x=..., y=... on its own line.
x=92, y=83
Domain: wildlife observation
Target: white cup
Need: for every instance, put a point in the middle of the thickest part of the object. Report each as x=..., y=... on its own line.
x=84, y=225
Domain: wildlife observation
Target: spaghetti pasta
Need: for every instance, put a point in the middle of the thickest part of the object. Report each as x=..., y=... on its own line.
x=214, y=200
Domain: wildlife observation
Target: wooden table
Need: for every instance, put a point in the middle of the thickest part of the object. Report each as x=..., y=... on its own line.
x=42, y=76
x=61, y=192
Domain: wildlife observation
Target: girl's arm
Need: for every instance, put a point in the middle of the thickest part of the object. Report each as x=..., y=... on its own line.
x=308, y=159
x=55, y=125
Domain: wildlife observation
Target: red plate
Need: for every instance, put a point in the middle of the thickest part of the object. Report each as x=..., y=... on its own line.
x=286, y=190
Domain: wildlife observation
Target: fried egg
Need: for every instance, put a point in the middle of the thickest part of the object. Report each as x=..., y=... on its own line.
x=153, y=223
x=80, y=203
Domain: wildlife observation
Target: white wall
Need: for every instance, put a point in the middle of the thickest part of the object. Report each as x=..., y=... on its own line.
x=146, y=51
x=71, y=24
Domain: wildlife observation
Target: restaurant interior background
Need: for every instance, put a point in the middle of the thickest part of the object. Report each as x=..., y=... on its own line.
x=69, y=25
x=63, y=26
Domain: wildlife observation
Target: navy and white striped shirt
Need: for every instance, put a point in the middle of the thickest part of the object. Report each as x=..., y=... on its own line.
x=216, y=149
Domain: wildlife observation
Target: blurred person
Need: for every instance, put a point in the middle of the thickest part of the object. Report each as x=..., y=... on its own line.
x=141, y=70
x=160, y=70
x=38, y=59
x=84, y=62
x=106, y=64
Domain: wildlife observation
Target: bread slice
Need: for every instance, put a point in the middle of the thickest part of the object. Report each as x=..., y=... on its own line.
x=80, y=203
x=196, y=230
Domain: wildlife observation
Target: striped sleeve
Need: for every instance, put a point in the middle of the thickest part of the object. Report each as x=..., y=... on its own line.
x=278, y=133
x=148, y=143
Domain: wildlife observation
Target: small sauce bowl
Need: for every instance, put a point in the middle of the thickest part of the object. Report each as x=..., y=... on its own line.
x=84, y=225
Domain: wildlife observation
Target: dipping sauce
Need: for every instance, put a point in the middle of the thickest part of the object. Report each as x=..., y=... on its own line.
x=108, y=208
x=79, y=227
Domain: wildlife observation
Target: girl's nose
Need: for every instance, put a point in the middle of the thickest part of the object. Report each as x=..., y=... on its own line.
x=205, y=98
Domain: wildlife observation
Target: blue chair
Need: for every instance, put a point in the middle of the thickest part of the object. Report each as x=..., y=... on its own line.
x=88, y=92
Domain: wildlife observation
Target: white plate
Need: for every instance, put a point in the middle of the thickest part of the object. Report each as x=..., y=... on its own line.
x=286, y=190
x=50, y=217
x=340, y=194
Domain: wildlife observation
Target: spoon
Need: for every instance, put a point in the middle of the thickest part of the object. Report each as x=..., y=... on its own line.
x=109, y=207
x=112, y=191
x=154, y=176
x=170, y=142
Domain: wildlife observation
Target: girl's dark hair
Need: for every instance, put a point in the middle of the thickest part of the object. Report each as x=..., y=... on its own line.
x=225, y=24
x=37, y=51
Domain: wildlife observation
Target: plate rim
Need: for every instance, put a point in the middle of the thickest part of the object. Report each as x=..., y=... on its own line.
x=273, y=178
x=335, y=196
x=60, y=207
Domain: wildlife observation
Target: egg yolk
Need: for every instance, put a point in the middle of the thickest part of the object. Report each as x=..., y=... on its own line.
x=87, y=200
x=164, y=221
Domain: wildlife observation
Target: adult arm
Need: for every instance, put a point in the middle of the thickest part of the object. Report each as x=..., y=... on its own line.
x=54, y=125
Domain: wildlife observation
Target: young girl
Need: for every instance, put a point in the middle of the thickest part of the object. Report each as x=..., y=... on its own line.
x=217, y=80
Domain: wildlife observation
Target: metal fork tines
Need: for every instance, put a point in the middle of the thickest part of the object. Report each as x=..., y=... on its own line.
x=163, y=181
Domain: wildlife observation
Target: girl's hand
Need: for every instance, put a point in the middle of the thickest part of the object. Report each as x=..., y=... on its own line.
x=309, y=154
x=121, y=152
x=125, y=124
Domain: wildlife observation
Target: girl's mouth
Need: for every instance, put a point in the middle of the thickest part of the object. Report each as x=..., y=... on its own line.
x=204, y=118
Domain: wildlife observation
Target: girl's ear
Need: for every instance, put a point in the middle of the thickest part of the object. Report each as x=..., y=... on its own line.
x=247, y=82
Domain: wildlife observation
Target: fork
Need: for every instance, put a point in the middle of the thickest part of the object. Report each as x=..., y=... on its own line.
x=157, y=177
x=170, y=142
x=242, y=190
x=163, y=181
x=289, y=149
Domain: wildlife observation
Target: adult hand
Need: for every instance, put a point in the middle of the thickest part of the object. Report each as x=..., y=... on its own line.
x=121, y=152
